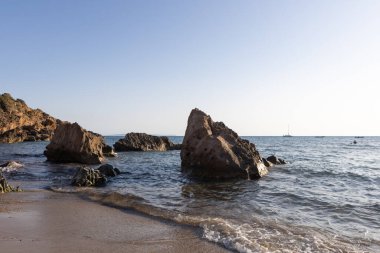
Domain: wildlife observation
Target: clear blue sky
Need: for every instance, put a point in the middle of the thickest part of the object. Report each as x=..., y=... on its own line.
x=121, y=66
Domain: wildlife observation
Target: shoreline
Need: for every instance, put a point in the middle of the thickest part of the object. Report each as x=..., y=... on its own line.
x=46, y=221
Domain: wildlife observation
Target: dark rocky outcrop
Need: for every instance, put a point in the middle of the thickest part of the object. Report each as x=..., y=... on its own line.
x=85, y=176
x=5, y=187
x=210, y=150
x=275, y=161
x=20, y=123
x=175, y=146
x=144, y=142
x=108, y=170
x=267, y=163
x=72, y=143
x=108, y=151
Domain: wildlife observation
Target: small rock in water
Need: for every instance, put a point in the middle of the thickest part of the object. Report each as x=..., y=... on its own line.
x=145, y=142
x=10, y=165
x=108, y=151
x=108, y=170
x=117, y=171
x=267, y=163
x=5, y=187
x=274, y=160
x=85, y=176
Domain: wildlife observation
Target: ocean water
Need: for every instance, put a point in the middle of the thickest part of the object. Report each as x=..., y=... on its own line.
x=326, y=199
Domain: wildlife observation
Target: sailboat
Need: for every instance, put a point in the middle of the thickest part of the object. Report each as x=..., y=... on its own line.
x=287, y=135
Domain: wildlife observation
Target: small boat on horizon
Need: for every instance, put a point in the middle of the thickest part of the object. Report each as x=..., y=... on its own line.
x=287, y=135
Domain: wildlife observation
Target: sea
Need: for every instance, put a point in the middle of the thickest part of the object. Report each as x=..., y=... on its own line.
x=325, y=199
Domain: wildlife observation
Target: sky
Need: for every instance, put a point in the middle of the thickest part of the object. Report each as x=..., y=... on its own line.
x=121, y=66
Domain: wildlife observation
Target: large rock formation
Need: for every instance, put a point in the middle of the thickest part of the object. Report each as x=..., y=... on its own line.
x=72, y=143
x=20, y=123
x=210, y=150
x=144, y=142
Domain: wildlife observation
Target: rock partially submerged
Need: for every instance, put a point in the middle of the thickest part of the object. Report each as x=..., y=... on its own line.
x=210, y=150
x=108, y=151
x=108, y=170
x=275, y=161
x=87, y=177
x=10, y=165
x=267, y=163
x=72, y=143
x=144, y=142
x=4, y=186
x=19, y=123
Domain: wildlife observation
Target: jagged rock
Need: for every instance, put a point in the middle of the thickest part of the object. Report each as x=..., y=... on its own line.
x=108, y=151
x=108, y=170
x=20, y=123
x=85, y=176
x=210, y=150
x=144, y=142
x=5, y=187
x=10, y=165
x=72, y=143
x=274, y=160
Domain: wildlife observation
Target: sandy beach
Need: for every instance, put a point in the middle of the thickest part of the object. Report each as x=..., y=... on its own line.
x=45, y=221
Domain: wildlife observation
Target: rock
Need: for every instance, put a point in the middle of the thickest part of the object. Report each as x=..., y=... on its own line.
x=210, y=150
x=108, y=151
x=10, y=165
x=117, y=171
x=20, y=123
x=108, y=170
x=175, y=146
x=85, y=176
x=72, y=143
x=267, y=163
x=5, y=187
x=30, y=138
x=274, y=160
x=144, y=142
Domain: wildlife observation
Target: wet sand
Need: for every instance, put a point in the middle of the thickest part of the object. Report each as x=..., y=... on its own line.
x=51, y=222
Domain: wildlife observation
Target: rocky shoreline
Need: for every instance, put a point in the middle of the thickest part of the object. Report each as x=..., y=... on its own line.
x=210, y=150
x=19, y=123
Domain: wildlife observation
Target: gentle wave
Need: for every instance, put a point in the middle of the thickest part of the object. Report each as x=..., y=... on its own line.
x=328, y=193
x=258, y=236
x=28, y=155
